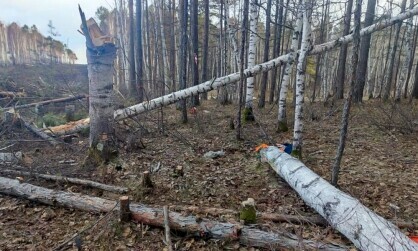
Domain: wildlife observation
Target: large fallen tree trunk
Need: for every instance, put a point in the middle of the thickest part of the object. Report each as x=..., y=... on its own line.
x=200, y=227
x=69, y=128
x=89, y=183
x=46, y=102
x=260, y=68
x=366, y=229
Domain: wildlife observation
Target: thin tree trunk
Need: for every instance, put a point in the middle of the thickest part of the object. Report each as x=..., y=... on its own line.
x=183, y=56
x=195, y=43
x=306, y=46
x=391, y=63
x=248, y=112
x=205, y=46
x=139, y=53
x=282, y=116
x=241, y=71
x=132, y=75
x=347, y=104
x=340, y=79
x=264, y=79
x=150, y=74
x=276, y=47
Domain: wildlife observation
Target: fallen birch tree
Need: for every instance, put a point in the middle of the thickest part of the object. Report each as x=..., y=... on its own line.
x=63, y=179
x=199, y=227
x=69, y=128
x=257, y=69
x=366, y=229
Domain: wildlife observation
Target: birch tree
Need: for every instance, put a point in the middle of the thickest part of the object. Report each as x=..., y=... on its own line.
x=264, y=79
x=391, y=62
x=205, y=48
x=282, y=117
x=248, y=111
x=100, y=57
x=183, y=56
x=306, y=46
x=195, y=43
x=404, y=75
x=139, y=53
x=276, y=47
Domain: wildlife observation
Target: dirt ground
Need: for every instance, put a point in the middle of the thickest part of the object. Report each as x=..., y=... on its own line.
x=379, y=168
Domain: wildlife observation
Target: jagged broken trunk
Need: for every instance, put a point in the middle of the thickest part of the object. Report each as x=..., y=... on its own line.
x=101, y=52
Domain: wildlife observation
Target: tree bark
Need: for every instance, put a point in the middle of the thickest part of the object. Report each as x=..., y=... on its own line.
x=205, y=48
x=183, y=56
x=306, y=46
x=195, y=43
x=139, y=53
x=340, y=78
x=264, y=79
x=248, y=113
x=366, y=229
x=389, y=70
x=347, y=104
x=199, y=227
x=131, y=60
x=100, y=59
x=282, y=114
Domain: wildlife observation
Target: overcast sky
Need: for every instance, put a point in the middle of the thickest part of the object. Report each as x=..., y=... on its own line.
x=63, y=14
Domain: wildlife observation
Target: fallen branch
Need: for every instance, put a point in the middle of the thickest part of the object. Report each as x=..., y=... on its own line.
x=199, y=227
x=46, y=102
x=366, y=229
x=89, y=183
x=39, y=132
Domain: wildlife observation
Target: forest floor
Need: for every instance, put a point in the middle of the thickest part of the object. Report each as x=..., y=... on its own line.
x=379, y=167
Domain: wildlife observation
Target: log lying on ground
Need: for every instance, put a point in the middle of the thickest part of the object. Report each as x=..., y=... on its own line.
x=69, y=128
x=200, y=227
x=366, y=229
x=39, y=132
x=260, y=68
x=316, y=220
x=6, y=94
x=89, y=183
x=46, y=102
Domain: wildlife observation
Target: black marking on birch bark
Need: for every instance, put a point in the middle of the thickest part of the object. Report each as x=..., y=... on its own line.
x=311, y=183
x=329, y=207
x=297, y=169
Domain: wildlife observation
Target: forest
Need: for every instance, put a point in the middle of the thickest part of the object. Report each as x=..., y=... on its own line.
x=213, y=125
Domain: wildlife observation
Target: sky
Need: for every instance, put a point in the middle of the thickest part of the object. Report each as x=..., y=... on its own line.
x=63, y=14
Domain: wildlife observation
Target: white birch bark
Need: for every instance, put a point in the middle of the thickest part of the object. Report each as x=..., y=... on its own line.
x=408, y=51
x=300, y=79
x=251, y=71
x=282, y=119
x=366, y=229
x=164, y=49
x=252, y=51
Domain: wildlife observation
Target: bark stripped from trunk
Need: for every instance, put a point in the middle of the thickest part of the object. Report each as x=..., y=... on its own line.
x=199, y=227
x=367, y=230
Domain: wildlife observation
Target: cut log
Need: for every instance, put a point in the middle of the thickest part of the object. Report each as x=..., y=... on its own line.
x=39, y=132
x=46, y=102
x=69, y=128
x=199, y=227
x=366, y=229
x=89, y=183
